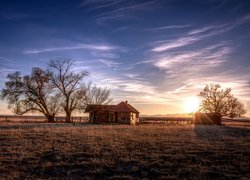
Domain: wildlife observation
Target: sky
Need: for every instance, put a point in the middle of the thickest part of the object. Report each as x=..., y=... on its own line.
x=157, y=54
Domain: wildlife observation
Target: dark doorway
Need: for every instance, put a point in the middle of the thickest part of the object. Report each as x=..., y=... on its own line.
x=116, y=116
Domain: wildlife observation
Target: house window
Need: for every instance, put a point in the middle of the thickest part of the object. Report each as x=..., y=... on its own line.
x=124, y=116
x=110, y=117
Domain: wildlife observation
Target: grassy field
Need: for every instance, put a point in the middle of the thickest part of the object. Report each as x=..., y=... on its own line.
x=41, y=150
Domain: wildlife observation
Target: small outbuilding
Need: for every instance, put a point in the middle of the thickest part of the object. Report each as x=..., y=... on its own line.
x=207, y=118
x=121, y=113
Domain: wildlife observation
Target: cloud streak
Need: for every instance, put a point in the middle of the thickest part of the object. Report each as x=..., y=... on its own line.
x=109, y=63
x=176, y=43
x=199, y=34
x=132, y=87
x=193, y=62
x=76, y=47
x=100, y=4
x=168, y=27
x=3, y=74
x=118, y=9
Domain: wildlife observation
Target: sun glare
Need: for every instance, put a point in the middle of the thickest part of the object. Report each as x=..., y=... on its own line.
x=191, y=104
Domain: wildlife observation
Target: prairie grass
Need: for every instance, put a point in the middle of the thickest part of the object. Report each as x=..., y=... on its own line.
x=41, y=150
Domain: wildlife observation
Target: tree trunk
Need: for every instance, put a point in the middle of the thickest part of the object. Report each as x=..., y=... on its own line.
x=51, y=118
x=68, y=117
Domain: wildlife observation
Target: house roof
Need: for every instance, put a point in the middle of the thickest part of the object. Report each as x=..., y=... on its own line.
x=124, y=107
x=121, y=107
x=94, y=107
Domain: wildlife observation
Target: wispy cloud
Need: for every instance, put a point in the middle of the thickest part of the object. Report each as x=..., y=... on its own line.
x=199, y=34
x=221, y=28
x=3, y=74
x=4, y=61
x=156, y=29
x=122, y=28
x=79, y=46
x=193, y=62
x=204, y=29
x=235, y=80
x=101, y=20
x=134, y=89
x=176, y=43
x=144, y=62
x=134, y=76
x=4, y=71
x=118, y=9
x=100, y=4
x=105, y=55
x=190, y=71
x=109, y=63
x=126, y=85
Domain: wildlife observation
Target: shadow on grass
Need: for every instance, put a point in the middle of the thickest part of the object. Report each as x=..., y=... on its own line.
x=29, y=125
x=215, y=132
x=42, y=125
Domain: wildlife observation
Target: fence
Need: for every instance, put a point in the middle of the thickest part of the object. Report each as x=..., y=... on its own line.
x=172, y=120
x=13, y=118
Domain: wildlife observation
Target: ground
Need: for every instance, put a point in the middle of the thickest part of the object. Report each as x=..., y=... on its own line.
x=41, y=150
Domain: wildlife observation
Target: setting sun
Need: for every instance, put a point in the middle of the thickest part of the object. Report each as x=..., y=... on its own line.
x=191, y=104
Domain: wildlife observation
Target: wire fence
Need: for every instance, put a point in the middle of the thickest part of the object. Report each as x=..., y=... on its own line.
x=15, y=118
x=176, y=120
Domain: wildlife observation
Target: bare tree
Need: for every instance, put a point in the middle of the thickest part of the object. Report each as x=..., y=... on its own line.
x=31, y=93
x=236, y=108
x=217, y=100
x=69, y=84
x=57, y=89
x=97, y=95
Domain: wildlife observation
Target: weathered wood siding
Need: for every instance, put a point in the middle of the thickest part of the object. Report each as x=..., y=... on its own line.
x=111, y=117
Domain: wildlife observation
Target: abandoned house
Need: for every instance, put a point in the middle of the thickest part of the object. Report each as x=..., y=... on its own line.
x=121, y=113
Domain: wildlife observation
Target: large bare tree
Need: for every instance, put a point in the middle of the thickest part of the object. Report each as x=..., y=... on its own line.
x=69, y=84
x=97, y=95
x=58, y=89
x=221, y=101
x=31, y=93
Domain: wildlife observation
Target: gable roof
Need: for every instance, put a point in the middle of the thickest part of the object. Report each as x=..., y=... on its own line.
x=101, y=108
x=121, y=107
x=124, y=107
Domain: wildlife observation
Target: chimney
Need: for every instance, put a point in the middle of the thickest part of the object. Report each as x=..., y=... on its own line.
x=126, y=102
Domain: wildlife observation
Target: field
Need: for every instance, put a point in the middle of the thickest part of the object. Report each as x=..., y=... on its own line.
x=42, y=150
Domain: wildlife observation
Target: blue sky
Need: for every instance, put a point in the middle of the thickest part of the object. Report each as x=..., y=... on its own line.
x=157, y=54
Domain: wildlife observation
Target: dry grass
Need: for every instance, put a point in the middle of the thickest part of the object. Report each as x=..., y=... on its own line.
x=122, y=151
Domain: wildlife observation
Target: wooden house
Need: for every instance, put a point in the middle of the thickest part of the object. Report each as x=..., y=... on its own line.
x=207, y=118
x=121, y=113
